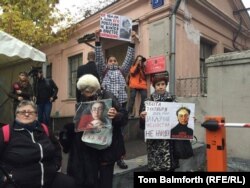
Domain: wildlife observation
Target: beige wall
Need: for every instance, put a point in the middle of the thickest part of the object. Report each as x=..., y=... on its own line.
x=228, y=96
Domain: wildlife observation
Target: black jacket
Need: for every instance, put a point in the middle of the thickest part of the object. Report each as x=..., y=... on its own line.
x=84, y=161
x=182, y=132
x=30, y=154
x=45, y=89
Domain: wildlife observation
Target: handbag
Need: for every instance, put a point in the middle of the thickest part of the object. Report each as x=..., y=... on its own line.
x=183, y=149
x=99, y=139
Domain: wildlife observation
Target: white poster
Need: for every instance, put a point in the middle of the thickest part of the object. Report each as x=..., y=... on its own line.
x=115, y=27
x=169, y=120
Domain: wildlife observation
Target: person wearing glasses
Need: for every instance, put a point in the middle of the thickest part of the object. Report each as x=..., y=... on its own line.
x=181, y=130
x=97, y=112
x=94, y=119
x=32, y=156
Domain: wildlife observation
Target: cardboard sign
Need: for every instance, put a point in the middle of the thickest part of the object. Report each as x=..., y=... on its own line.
x=115, y=27
x=155, y=64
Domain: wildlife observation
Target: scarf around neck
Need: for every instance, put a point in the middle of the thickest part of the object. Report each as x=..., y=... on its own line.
x=162, y=97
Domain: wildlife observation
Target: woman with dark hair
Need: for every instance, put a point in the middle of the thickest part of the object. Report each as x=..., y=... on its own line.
x=125, y=30
x=94, y=116
x=113, y=75
x=97, y=110
x=21, y=90
x=137, y=83
x=160, y=151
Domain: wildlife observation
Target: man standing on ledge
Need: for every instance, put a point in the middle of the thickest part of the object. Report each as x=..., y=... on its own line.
x=46, y=93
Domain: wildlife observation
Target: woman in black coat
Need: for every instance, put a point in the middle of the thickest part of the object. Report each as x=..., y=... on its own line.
x=91, y=167
x=29, y=154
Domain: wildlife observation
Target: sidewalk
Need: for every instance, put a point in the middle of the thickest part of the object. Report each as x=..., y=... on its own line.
x=135, y=157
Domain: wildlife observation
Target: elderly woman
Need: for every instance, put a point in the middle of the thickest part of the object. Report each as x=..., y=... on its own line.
x=91, y=167
x=31, y=156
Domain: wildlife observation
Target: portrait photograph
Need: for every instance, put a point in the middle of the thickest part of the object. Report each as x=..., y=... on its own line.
x=92, y=116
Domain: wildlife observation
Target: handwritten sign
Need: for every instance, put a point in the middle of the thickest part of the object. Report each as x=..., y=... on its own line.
x=161, y=118
x=115, y=27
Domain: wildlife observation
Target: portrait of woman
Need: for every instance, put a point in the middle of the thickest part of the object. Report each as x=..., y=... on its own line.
x=95, y=117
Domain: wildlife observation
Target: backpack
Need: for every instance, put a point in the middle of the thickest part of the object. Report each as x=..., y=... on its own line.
x=6, y=131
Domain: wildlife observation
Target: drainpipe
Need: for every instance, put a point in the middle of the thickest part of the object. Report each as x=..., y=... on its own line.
x=172, y=50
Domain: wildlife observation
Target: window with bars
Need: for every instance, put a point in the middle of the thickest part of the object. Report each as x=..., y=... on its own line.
x=74, y=62
x=196, y=86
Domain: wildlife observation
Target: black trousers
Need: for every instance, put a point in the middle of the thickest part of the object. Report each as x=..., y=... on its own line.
x=106, y=176
x=104, y=179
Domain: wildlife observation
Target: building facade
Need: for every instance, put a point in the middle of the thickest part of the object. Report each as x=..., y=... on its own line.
x=186, y=37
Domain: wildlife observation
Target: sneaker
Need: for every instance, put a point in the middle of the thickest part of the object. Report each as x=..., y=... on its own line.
x=122, y=164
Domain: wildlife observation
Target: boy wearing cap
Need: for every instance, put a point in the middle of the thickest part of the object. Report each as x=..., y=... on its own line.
x=160, y=152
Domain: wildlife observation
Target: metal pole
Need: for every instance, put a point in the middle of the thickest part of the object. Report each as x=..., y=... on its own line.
x=172, y=57
x=245, y=125
x=172, y=52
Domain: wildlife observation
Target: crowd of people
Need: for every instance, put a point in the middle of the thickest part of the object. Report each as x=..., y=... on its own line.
x=101, y=78
x=43, y=92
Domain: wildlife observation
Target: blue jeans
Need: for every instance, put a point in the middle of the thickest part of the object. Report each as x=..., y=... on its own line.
x=44, y=111
x=133, y=91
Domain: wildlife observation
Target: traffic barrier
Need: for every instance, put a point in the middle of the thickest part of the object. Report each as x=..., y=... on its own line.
x=216, y=142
